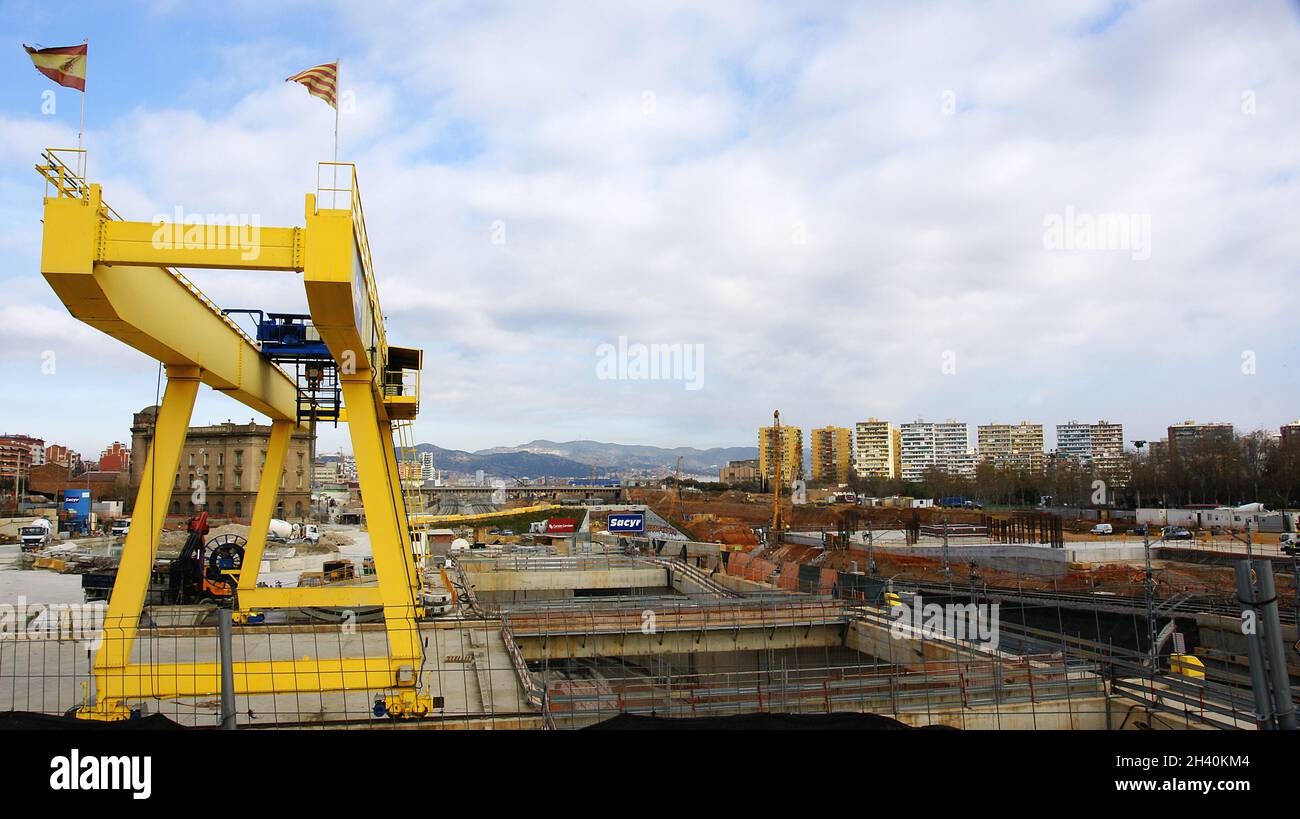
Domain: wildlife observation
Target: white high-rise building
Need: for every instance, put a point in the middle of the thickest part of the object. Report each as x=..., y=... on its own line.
x=425, y=460
x=1074, y=441
x=944, y=445
x=1099, y=445
x=916, y=449
x=952, y=451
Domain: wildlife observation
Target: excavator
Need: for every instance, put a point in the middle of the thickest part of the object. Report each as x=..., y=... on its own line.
x=206, y=571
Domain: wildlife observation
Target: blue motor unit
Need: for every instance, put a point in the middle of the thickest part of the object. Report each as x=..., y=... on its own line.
x=287, y=336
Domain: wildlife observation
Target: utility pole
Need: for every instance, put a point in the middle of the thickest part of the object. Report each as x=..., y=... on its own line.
x=871, y=558
x=1151, y=601
x=1269, y=620
x=1254, y=648
x=945, y=546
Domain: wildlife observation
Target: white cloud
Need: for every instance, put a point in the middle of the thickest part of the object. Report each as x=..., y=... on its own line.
x=786, y=188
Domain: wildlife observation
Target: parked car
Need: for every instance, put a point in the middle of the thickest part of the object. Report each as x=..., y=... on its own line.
x=1176, y=533
x=1103, y=529
x=1141, y=530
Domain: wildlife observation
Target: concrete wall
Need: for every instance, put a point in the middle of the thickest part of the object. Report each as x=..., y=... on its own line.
x=636, y=644
x=653, y=577
x=1008, y=557
x=1223, y=634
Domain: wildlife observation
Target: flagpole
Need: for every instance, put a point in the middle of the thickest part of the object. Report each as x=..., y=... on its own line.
x=338, y=86
x=81, y=128
x=338, y=83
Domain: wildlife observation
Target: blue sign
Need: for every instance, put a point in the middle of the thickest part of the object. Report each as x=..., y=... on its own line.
x=631, y=522
x=76, y=502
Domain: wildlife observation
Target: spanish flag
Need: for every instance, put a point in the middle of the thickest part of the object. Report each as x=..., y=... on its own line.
x=66, y=65
x=321, y=81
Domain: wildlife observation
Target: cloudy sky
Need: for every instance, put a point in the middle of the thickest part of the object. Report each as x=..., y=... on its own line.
x=851, y=208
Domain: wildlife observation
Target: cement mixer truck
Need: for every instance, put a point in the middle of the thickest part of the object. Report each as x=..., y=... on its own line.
x=286, y=531
x=35, y=534
x=281, y=530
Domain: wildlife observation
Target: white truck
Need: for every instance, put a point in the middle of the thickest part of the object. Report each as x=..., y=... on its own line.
x=286, y=531
x=121, y=526
x=35, y=534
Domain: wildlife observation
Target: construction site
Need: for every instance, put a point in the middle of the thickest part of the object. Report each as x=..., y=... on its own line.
x=639, y=602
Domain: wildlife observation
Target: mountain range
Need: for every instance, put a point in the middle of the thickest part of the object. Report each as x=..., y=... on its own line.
x=575, y=459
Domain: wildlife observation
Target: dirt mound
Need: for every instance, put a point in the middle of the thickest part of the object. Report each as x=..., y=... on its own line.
x=336, y=539
x=171, y=541
x=309, y=548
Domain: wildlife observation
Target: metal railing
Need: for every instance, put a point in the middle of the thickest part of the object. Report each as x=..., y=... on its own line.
x=408, y=386
x=60, y=176
x=535, y=693
x=69, y=183
x=353, y=193
x=1045, y=684
x=552, y=563
x=704, y=580
x=689, y=616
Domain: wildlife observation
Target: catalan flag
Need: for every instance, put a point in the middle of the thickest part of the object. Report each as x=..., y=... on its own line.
x=66, y=65
x=321, y=81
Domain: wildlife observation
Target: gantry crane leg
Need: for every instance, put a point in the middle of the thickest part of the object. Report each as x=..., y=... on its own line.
x=403, y=514
x=131, y=587
x=372, y=447
x=277, y=447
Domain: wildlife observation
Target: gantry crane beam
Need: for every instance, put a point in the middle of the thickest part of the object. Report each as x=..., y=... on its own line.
x=222, y=246
x=116, y=275
x=153, y=309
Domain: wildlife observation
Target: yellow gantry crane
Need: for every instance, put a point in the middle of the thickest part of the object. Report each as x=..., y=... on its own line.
x=120, y=277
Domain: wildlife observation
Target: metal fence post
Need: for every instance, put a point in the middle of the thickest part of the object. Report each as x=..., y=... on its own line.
x=1254, y=649
x=1283, y=707
x=225, y=641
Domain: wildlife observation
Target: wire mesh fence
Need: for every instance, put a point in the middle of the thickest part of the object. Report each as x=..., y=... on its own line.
x=290, y=670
